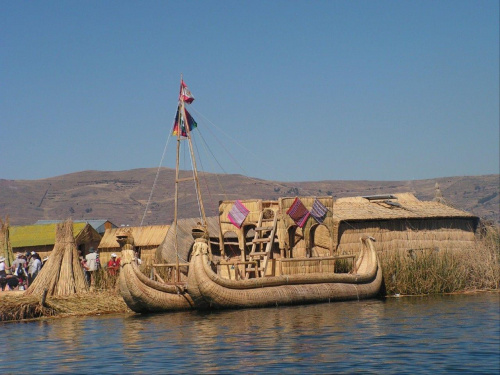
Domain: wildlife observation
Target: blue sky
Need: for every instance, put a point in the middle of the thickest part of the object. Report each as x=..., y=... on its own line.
x=285, y=90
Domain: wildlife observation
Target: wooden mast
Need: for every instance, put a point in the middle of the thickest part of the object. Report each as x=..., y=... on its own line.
x=182, y=118
x=176, y=196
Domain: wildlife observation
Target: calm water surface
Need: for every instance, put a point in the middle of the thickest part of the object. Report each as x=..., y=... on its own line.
x=445, y=334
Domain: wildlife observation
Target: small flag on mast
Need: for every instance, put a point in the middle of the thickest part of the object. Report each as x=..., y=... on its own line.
x=185, y=95
x=180, y=123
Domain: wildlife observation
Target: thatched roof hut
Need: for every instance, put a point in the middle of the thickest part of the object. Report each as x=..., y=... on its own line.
x=403, y=222
x=42, y=238
x=146, y=240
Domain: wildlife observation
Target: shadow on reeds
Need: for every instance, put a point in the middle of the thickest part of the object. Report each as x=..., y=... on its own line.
x=435, y=270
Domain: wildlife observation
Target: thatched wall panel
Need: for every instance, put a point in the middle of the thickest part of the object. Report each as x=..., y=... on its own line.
x=309, y=266
x=166, y=251
x=255, y=208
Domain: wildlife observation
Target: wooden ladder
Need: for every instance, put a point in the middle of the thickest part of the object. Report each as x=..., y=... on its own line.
x=259, y=255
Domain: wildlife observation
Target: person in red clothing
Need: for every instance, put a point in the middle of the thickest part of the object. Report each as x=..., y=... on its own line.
x=113, y=265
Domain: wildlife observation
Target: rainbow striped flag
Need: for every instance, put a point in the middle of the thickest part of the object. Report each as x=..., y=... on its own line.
x=180, y=123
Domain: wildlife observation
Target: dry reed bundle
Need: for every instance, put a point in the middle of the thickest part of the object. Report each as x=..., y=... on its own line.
x=5, y=247
x=62, y=274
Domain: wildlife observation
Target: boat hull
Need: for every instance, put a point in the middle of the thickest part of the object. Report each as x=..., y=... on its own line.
x=286, y=290
x=143, y=295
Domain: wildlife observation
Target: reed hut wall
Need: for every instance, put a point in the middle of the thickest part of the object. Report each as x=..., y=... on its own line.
x=321, y=238
x=402, y=223
x=147, y=239
x=255, y=208
x=407, y=234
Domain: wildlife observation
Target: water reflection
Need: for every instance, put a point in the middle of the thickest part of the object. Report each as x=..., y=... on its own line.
x=408, y=335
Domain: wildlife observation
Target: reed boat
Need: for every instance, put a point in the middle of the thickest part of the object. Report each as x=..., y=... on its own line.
x=364, y=281
x=263, y=259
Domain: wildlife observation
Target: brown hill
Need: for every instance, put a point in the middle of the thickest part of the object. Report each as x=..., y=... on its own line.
x=122, y=196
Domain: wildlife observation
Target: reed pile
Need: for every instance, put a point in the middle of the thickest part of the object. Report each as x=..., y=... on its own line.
x=434, y=270
x=18, y=306
x=62, y=274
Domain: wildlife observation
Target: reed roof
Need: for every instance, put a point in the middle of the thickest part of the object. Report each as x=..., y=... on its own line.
x=39, y=235
x=405, y=206
x=151, y=235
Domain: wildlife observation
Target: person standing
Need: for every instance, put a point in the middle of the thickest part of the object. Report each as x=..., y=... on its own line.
x=19, y=269
x=113, y=265
x=92, y=265
x=83, y=263
x=3, y=274
x=34, y=267
x=19, y=265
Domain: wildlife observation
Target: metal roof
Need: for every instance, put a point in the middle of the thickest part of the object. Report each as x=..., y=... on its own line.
x=38, y=235
x=97, y=224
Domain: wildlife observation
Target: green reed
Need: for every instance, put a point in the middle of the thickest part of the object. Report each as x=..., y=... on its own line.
x=431, y=271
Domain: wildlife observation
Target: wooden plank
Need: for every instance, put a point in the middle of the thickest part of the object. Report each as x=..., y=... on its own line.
x=317, y=258
x=263, y=228
x=170, y=265
x=261, y=240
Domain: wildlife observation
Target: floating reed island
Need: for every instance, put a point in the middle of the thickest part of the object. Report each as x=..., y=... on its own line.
x=418, y=256
x=422, y=247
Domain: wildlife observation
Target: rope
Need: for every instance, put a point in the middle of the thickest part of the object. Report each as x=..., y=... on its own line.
x=204, y=176
x=194, y=182
x=244, y=172
x=263, y=162
x=207, y=148
x=157, y=174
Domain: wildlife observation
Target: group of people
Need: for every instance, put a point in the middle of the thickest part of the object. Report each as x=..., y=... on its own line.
x=91, y=263
x=25, y=268
x=22, y=272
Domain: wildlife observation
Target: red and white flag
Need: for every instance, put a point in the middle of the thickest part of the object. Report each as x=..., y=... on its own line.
x=185, y=95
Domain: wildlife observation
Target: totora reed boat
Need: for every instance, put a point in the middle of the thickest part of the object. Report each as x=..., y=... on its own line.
x=266, y=253
x=286, y=289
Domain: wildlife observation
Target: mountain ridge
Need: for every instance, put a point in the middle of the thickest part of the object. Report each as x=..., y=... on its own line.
x=122, y=196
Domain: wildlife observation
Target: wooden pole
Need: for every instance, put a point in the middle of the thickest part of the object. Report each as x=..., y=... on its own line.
x=176, y=197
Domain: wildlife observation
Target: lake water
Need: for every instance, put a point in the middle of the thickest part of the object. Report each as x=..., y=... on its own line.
x=411, y=335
